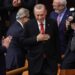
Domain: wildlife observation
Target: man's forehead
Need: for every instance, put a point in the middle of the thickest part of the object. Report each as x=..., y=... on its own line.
x=40, y=11
x=57, y=2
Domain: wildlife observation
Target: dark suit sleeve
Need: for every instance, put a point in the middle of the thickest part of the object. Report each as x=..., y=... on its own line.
x=24, y=40
x=2, y=49
x=56, y=34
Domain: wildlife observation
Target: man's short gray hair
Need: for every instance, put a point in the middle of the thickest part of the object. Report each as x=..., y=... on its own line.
x=64, y=2
x=39, y=6
x=22, y=12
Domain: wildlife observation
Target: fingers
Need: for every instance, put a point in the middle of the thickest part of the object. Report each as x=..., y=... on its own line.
x=43, y=37
x=6, y=41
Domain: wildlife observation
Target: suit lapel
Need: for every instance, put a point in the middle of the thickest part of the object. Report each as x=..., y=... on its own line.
x=66, y=14
x=19, y=25
x=47, y=26
x=36, y=28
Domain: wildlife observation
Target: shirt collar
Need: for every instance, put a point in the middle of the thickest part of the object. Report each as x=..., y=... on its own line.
x=20, y=23
x=44, y=22
x=63, y=11
x=62, y=14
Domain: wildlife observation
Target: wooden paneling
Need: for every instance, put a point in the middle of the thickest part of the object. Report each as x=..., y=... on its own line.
x=67, y=72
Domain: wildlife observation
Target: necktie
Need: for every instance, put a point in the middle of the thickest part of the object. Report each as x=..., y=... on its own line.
x=42, y=28
x=58, y=20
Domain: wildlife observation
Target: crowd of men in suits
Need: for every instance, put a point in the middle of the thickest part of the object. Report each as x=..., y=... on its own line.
x=44, y=38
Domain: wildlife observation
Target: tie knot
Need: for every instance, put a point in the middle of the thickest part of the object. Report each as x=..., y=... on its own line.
x=41, y=23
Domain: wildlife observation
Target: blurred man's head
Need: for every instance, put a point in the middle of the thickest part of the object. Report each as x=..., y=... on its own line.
x=40, y=12
x=22, y=15
x=59, y=5
x=72, y=10
x=73, y=23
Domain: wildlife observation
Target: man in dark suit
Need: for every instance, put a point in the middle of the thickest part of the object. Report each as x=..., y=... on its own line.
x=2, y=33
x=69, y=58
x=15, y=56
x=3, y=46
x=61, y=13
x=41, y=36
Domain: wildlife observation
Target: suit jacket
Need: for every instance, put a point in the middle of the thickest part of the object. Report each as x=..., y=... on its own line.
x=15, y=53
x=37, y=49
x=53, y=15
x=62, y=29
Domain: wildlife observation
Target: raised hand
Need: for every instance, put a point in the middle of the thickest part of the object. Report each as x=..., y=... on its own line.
x=6, y=41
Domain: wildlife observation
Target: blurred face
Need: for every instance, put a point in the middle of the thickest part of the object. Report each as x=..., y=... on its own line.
x=40, y=14
x=25, y=19
x=57, y=6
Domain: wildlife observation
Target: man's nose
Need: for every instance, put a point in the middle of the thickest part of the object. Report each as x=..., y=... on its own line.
x=40, y=17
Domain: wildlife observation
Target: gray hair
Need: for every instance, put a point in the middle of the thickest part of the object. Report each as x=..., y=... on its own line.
x=39, y=6
x=62, y=2
x=22, y=12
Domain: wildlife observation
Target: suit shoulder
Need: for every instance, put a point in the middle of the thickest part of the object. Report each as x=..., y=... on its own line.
x=50, y=20
x=30, y=23
x=13, y=29
x=52, y=23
